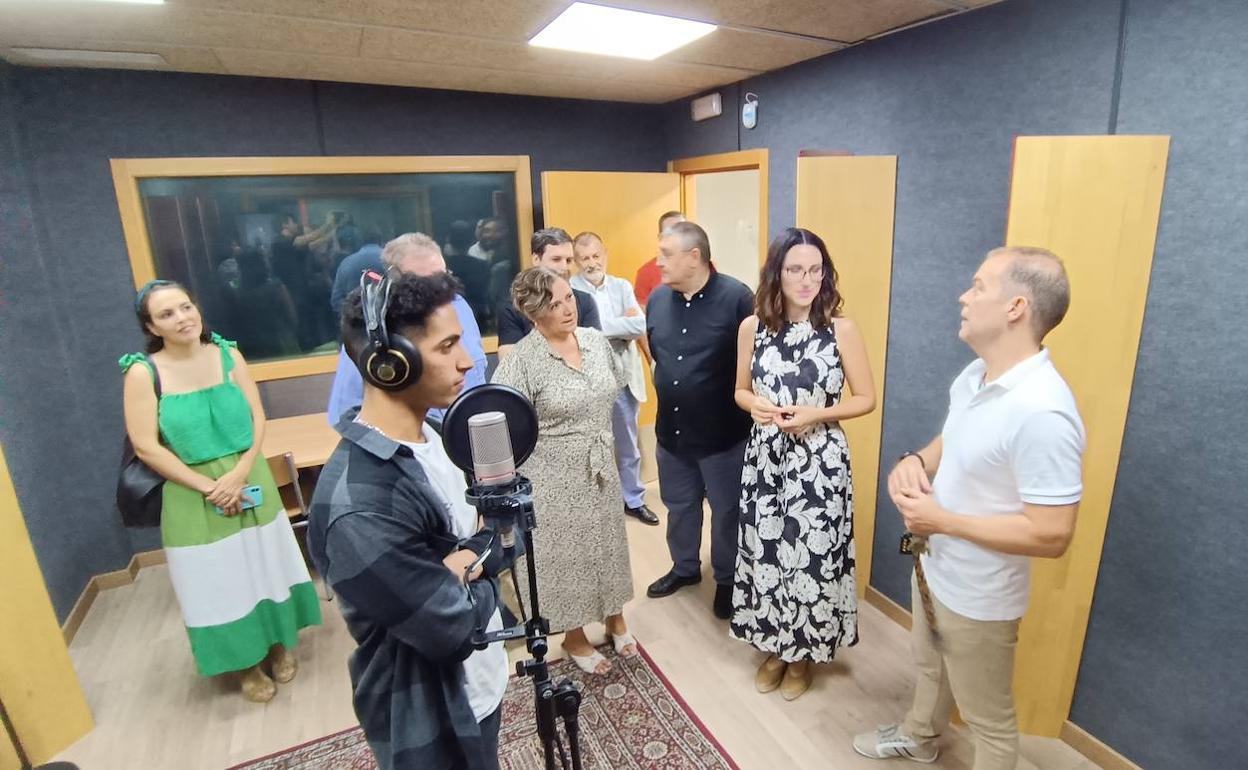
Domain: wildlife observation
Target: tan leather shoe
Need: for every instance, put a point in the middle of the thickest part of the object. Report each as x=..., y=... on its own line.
x=257, y=686
x=769, y=674
x=797, y=678
x=285, y=664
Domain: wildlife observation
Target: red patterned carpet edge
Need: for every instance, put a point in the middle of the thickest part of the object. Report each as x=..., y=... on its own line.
x=689, y=712
x=342, y=745
x=631, y=718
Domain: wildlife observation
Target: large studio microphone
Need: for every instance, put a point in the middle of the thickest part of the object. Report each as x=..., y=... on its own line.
x=490, y=444
x=493, y=464
x=495, y=422
x=488, y=432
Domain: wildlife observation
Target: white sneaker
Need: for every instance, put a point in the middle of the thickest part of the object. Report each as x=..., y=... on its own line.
x=889, y=742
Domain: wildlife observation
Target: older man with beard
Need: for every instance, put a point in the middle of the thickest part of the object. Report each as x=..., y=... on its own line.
x=623, y=324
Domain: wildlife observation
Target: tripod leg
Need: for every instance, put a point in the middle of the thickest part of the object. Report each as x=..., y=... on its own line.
x=574, y=741
x=568, y=704
x=548, y=749
x=544, y=710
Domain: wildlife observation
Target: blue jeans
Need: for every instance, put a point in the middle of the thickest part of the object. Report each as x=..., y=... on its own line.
x=627, y=455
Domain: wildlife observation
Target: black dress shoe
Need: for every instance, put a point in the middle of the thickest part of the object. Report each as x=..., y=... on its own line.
x=642, y=514
x=670, y=584
x=723, y=601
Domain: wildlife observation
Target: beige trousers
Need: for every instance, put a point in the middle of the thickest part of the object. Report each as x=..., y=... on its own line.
x=970, y=662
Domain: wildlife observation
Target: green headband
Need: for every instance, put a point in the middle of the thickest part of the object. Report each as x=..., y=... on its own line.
x=146, y=289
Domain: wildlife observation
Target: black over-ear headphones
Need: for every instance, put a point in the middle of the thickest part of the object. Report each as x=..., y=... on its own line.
x=387, y=362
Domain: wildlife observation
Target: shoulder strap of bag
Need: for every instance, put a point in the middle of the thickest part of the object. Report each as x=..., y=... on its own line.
x=151, y=367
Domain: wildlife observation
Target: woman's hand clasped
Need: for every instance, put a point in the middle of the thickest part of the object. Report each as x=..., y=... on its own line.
x=226, y=492
x=796, y=420
x=764, y=412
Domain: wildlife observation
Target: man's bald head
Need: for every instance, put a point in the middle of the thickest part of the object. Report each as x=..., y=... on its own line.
x=414, y=253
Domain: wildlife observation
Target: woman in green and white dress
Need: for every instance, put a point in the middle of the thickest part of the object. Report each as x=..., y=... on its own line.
x=237, y=571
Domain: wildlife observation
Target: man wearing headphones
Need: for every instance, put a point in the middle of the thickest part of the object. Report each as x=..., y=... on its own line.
x=391, y=533
x=418, y=254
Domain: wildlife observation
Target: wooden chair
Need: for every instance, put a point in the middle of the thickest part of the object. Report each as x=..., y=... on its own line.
x=286, y=477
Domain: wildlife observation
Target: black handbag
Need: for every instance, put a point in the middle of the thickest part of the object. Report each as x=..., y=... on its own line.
x=139, y=488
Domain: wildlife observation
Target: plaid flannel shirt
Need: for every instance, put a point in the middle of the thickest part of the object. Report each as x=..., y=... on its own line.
x=377, y=534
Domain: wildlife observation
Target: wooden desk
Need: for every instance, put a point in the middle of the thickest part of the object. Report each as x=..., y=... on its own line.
x=309, y=436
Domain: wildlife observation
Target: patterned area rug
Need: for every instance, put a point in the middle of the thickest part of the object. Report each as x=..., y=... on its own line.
x=630, y=718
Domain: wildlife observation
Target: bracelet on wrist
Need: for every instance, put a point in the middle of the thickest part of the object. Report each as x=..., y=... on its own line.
x=915, y=455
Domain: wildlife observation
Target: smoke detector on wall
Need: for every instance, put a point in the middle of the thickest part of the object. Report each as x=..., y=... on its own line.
x=749, y=110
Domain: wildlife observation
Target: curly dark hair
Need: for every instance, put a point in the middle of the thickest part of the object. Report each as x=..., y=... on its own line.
x=769, y=300
x=413, y=298
x=154, y=343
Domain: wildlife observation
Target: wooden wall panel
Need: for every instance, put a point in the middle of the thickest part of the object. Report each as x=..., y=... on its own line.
x=1095, y=202
x=849, y=202
x=37, y=681
x=624, y=209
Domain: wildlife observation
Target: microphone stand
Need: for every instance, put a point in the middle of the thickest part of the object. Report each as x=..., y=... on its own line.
x=553, y=701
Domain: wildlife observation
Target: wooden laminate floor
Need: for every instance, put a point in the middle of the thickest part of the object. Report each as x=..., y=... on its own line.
x=153, y=711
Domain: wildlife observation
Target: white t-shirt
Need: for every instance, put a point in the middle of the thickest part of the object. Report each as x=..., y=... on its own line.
x=1016, y=440
x=485, y=671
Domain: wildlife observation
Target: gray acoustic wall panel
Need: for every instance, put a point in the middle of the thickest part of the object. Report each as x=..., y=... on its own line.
x=557, y=134
x=66, y=275
x=71, y=314
x=44, y=423
x=1165, y=668
x=947, y=99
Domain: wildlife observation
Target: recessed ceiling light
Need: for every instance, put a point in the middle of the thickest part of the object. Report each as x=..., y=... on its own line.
x=618, y=32
x=68, y=57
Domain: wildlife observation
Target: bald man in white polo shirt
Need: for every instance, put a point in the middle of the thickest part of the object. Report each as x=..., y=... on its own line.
x=1001, y=484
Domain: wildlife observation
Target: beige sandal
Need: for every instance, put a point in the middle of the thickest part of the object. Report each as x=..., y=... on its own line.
x=284, y=664
x=769, y=674
x=797, y=680
x=257, y=686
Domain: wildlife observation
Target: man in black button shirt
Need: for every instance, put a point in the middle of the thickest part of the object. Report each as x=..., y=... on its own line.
x=552, y=248
x=692, y=322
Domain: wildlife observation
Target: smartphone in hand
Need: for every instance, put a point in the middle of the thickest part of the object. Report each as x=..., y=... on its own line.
x=252, y=496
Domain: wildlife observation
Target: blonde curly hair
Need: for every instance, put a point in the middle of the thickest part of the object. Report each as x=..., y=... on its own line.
x=533, y=290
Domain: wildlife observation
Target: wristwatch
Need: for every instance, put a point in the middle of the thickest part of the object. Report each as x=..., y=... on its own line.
x=904, y=455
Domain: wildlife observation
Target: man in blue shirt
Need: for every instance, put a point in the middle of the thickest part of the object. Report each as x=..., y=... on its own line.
x=417, y=254
x=347, y=278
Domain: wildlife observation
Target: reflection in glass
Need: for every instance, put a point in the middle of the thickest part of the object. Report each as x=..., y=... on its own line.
x=262, y=253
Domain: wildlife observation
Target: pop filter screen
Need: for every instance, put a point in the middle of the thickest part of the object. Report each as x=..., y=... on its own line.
x=521, y=423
